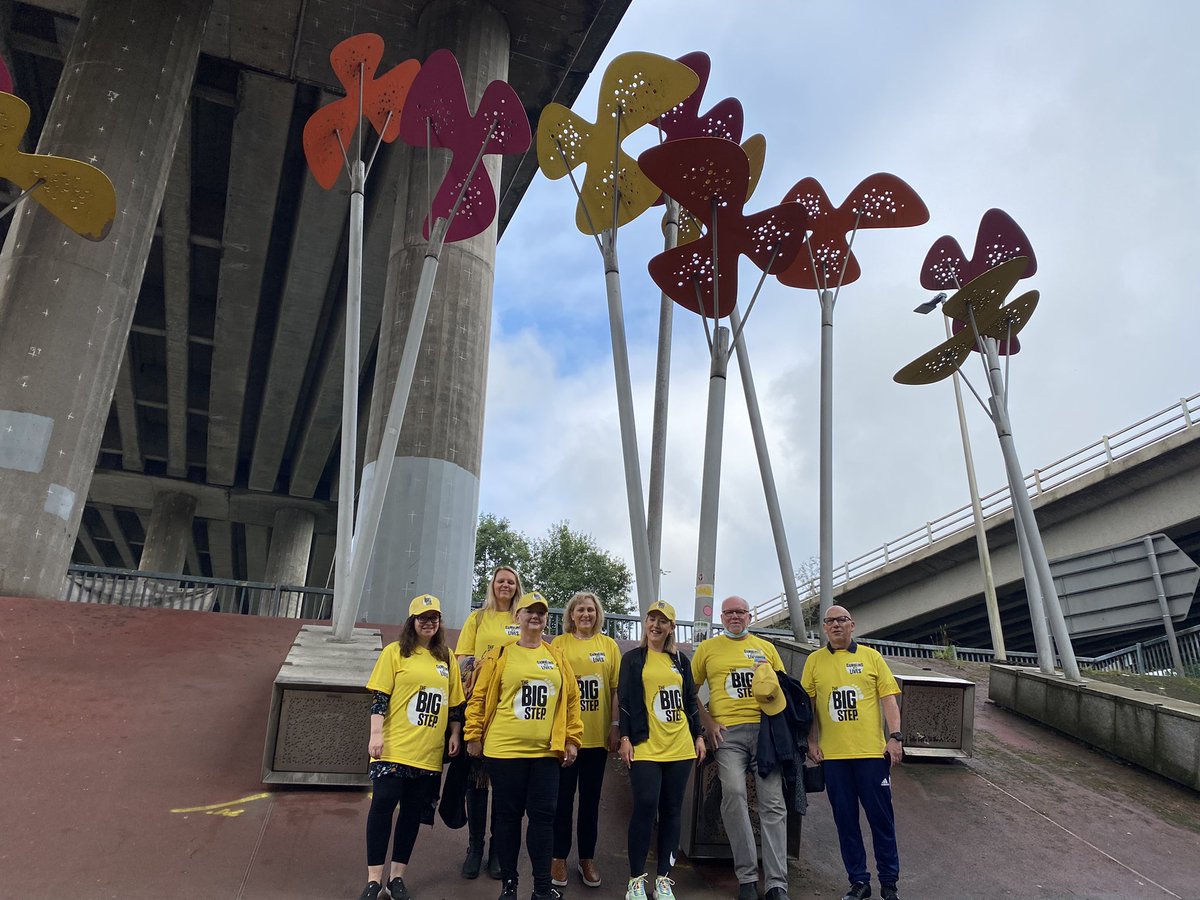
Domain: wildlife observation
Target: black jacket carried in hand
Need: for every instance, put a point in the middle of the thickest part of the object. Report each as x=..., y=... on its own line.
x=783, y=742
x=635, y=723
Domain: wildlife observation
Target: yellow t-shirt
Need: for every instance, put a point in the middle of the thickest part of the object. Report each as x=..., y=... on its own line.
x=596, y=663
x=485, y=629
x=529, y=694
x=727, y=664
x=846, y=688
x=422, y=689
x=670, y=737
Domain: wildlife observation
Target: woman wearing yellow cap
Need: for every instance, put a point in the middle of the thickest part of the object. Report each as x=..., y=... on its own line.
x=491, y=626
x=417, y=696
x=523, y=716
x=661, y=742
x=595, y=659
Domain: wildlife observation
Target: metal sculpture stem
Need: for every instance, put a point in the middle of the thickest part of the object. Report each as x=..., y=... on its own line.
x=795, y=612
x=21, y=196
x=826, y=451
x=1033, y=593
x=662, y=390
x=1020, y=498
x=710, y=485
x=985, y=558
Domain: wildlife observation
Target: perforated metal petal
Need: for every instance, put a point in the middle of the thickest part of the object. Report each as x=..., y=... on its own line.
x=724, y=120
x=985, y=294
x=321, y=148
x=77, y=194
x=998, y=239
x=940, y=362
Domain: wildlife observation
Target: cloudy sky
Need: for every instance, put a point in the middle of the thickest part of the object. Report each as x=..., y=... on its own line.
x=1077, y=117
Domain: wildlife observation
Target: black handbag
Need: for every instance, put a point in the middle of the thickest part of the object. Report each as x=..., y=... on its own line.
x=814, y=779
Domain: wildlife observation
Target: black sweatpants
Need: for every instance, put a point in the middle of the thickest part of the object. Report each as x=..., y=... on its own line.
x=657, y=787
x=588, y=774
x=524, y=787
x=413, y=796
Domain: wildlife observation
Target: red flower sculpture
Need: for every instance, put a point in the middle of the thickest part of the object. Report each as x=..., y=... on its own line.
x=358, y=55
x=437, y=113
x=879, y=201
x=709, y=177
x=683, y=120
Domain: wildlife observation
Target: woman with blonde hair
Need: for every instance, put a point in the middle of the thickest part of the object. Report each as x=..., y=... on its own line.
x=491, y=626
x=662, y=740
x=595, y=659
x=524, y=717
x=418, y=698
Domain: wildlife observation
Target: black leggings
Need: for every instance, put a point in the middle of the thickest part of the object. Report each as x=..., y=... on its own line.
x=588, y=774
x=524, y=787
x=413, y=795
x=657, y=788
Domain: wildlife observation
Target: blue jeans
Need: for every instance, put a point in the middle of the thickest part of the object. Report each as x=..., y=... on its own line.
x=850, y=782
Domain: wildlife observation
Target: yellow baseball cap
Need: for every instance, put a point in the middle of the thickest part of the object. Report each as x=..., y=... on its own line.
x=767, y=691
x=423, y=604
x=662, y=606
x=531, y=599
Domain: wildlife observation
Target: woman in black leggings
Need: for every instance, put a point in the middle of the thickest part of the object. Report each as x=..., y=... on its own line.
x=661, y=742
x=418, y=696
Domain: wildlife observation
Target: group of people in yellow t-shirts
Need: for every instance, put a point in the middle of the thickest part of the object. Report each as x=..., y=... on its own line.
x=538, y=720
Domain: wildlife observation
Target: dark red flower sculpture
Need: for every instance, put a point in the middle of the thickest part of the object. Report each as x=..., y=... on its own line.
x=879, y=201
x=683, y=120
x=709, y=177
x=999, y=239
x=357, y=55
x=437, y=112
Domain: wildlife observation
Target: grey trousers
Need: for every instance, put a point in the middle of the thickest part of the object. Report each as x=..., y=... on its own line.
x=736, y=756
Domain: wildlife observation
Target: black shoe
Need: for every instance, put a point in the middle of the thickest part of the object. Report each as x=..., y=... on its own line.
x=777, y=893
x=508, y=890
x=493, y=863
x=470, y=866
x=397, y=889
x=371, y=891
x=748, y=890
x=860, y=890
x=887, y=890
x=552, y=894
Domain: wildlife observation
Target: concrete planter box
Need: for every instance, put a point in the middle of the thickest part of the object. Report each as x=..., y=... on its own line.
x=1156, y=733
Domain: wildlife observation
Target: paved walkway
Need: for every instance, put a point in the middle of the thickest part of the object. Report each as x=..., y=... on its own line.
x=131, y=745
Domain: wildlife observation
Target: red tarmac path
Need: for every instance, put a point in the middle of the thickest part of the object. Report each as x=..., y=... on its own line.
x=131, y=745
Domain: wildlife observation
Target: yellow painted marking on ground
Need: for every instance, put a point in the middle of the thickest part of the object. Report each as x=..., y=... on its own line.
x=223, y=807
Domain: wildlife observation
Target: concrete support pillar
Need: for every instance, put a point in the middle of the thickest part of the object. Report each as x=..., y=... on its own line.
x=66, y=303
x=169, y=534
x=427, y=536
x=291, y=544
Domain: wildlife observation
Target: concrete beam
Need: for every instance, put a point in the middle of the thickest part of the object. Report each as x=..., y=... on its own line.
x=316, y=245
x=220, y=548
x=125, y=402
x=94, y=556
x=116, y=488
x=258, y=542
x=169, y=533
x=260, y=133
x=177, y=267
x=117, y=535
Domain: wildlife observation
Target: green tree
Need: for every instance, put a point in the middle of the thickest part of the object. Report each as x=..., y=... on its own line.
x=497, y=543
x=566, y=561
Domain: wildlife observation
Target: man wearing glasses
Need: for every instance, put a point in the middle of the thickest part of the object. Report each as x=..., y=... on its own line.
x=731, y=719
x=849, y=684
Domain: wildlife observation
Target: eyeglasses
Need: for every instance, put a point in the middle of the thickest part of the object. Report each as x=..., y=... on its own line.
x=838, y=620
x=735, y=612
x=430, y=618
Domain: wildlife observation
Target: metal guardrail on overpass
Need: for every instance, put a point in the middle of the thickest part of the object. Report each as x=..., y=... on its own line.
x=1159, y=426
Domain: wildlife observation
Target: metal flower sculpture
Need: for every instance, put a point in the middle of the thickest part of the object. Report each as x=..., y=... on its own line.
x=77, y=194
x=637, y=88
x=1000, y=238
x=437, y=115
x=710, y=178
x=328, y=131
x=980, y=304
x=879, y=201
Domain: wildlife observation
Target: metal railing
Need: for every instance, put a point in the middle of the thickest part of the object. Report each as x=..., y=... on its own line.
x=1174, y=419
x=163, y=590
x=1154, y=656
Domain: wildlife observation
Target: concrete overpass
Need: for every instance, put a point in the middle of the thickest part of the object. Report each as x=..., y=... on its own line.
x=1154, y=488
x=209, y=433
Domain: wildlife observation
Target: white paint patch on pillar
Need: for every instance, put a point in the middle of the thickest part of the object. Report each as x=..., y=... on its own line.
x=24, y=438
x=60, y=501
x=437, y=559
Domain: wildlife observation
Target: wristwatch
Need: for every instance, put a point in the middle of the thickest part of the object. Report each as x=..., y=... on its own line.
x=896, y=736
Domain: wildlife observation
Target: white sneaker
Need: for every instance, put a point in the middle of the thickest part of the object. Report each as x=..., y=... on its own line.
x=662, y=888
x=636, y=889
